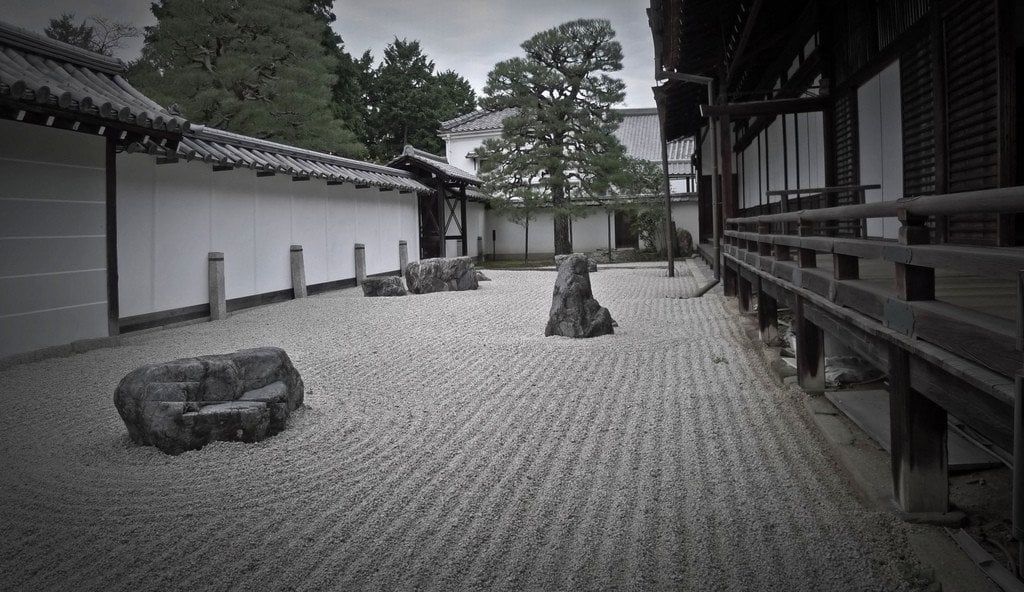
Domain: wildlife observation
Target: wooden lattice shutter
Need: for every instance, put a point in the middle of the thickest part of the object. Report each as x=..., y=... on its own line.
x=971, y=47
x=917, y=91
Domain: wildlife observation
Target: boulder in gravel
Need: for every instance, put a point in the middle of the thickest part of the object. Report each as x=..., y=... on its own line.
x=441, y=275
x=591, y=264
x=480, y=277
x=383, y=286
x=574, y=312
x=185, y=404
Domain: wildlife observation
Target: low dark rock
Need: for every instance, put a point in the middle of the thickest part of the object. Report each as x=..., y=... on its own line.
x=480, y=277
x=383, y=286
x=574, y=311
x=441, y=275
x=591, y=264
x=185, y=404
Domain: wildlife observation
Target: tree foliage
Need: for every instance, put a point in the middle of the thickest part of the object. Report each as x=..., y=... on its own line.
x=560, y=138
x=407, y=100
x=102, y=36
x=256, y=67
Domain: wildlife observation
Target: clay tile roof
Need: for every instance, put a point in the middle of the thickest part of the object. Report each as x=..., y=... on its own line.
x=41, y=75
x=224, y=148
x=639, y=132
x=476, y=121
x=413, y=158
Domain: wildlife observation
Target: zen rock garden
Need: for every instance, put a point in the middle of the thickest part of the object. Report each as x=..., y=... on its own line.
x=185, y=404
x=574, y=311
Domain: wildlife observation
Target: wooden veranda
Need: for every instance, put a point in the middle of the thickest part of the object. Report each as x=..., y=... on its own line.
x=944, y=321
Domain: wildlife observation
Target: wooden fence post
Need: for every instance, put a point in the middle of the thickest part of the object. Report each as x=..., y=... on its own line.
x=218, y=303
x=767, y=316
x=298, y=265
x=360, y=263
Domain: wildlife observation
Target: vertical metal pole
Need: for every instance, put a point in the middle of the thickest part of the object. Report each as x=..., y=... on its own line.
x=609, y=212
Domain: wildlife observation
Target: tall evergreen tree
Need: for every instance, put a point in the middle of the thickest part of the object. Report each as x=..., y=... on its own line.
x=560, y=139
x=256, y=67
x=407, y=100
x=102, y=36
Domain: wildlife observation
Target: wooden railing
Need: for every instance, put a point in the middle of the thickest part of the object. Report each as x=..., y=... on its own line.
x=940, y=356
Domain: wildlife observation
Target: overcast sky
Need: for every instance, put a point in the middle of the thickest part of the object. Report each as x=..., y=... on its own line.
x=468, y=36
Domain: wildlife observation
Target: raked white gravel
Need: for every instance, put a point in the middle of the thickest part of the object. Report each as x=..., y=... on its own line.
x=448, y=445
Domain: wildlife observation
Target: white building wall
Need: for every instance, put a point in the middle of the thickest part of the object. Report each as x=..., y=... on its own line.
x=53, y=278
x=457, y=147
x=880, y=130
x=170, y=217
x=590, y=232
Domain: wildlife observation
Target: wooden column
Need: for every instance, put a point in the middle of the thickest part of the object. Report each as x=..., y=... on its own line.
x=113, y=289
x=912, y=281
x=767, y=316
x=808, y=257
x=729, y=277
x=918, y=428
x=810, y=352
x=845, y=267
x=744, y=294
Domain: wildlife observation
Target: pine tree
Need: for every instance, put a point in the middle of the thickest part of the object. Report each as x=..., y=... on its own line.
x=255, y=67
x=102, y=36
x=559, y=141
x=408, y=101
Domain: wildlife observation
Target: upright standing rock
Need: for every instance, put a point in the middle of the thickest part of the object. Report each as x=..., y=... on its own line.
x=574, y=312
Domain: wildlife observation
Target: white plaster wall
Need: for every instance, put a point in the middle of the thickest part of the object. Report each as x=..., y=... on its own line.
x=457, y=147
x=170, y=217
x=590, y=232
x=685, y=216
x=476, y=227
x=880, y=130
x=53, y=280
x=509, y=237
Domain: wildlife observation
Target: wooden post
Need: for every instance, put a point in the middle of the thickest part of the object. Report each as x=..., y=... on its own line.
x=767, y=316
x=845, y=267
x=918, y=428
x=480, y=249
x=744, y=294
x=215, y=270
x=810, y=352
x=298, y=272
x=914, y=282
x=403, y=256
x=808, y=257
x=360, y=263
x=113, y=289
x=729, y=276
x=764, y=248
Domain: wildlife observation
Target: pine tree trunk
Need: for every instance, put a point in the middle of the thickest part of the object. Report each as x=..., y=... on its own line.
x=563, y=246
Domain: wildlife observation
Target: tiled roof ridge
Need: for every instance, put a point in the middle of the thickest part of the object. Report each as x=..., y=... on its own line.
x=44, y=46
x=411, y=150
x=203, y=132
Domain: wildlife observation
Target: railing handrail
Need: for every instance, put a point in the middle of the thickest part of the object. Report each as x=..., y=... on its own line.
x=1004, y=199
x=820, y=190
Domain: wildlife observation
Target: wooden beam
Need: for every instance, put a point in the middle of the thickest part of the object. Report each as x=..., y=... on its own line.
x=222, y=167
x=770, y=107
x=741, y=46
x=265, y=173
